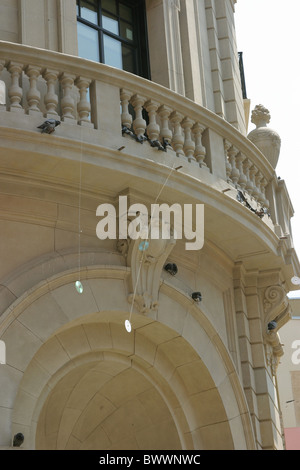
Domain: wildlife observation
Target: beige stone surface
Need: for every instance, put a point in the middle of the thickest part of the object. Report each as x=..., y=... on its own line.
x=189, y=375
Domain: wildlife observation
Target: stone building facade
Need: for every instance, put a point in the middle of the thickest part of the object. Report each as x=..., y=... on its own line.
x=288, y=378
x=148, y=96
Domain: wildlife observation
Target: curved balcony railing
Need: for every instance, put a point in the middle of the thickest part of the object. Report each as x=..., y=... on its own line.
x=53, y=85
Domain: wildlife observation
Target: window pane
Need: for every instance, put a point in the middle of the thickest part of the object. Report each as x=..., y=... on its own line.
x=111, y=24
x=112, y=52
x=89, y=11
x=110, y=5
x=88, y=46
x=125, y=13
x=126, y=31
x=128, y=59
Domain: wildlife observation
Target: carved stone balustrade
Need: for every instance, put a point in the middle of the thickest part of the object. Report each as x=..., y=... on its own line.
x=116, y=106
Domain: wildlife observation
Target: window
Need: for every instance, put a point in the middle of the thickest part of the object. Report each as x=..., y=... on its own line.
x=114, y=32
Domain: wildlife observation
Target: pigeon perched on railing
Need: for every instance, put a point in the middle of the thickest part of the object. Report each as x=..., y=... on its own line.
x=49, y=126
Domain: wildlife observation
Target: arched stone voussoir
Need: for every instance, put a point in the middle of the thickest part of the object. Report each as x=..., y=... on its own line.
x=190, y=362
x=174, y=358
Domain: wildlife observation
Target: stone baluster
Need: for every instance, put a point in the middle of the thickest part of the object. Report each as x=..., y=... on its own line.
x=258, y=179
x=253, y=172
x=2, y=88
x=15, y=92
x=165, y=132
x=235, y=174
x=227, y=146
x=189, y=144
x=33, y=95
x=242, y=182
x=83, y=106
x=178, y=139
x=152, y=128
x=126, y=118
x=139, y=123
x=67, y=102
x=249, y=184
x=200, y=150
x=51, y=98
x=264, y=183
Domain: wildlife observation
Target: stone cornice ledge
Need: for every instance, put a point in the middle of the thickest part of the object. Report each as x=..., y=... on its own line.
x=209, y=192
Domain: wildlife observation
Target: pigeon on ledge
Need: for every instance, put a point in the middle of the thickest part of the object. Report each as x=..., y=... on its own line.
x=49, y=126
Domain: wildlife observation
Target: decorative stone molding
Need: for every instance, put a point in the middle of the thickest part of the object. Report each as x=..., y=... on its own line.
x=274, y=350
x=275, y=302
x=146, y=257
x=276, y=309
x=146, y=268
x=15, y=92
x=266, y=139
x=33, y=95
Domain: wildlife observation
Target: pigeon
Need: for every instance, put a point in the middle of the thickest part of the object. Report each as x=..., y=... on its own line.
x=166, y=144
x=49, y=126
x=171, y=268
x=141, y=138
x=272, y=325
x=197, y=296
x=126, y=130
x=156, y=143
x=18, y=439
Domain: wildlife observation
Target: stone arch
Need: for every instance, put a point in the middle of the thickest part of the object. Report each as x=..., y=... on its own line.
x=155, y=357
x=36, y=311
x=109, y=404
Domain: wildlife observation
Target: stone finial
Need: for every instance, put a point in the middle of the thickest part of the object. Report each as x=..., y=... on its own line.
x=266, y=139
x=260, y=116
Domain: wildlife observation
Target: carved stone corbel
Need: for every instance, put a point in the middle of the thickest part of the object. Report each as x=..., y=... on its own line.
x=276, y=309
x=146, y=267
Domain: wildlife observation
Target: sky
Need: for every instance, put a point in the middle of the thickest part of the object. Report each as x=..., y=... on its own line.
x=267, y=33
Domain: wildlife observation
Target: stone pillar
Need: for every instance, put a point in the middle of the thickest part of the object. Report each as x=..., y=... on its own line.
x=193, y=68
x=224, y=62
x=67, y=27
x=48, y=24
x=215, y=64
x=215, y=158
x=165, y=44
x=260, y=299
x=274, y=307
x=243, y=331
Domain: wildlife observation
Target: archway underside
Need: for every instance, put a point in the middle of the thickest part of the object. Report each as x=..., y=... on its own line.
x=110, y=389
x=106, y=405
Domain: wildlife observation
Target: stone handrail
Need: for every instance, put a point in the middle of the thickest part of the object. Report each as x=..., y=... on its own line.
x=54, y=85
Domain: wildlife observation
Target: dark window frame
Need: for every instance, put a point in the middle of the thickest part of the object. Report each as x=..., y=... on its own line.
x=140, y=37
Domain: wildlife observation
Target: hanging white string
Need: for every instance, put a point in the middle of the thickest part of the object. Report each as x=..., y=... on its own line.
x=144, y=244
x=78, y=284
